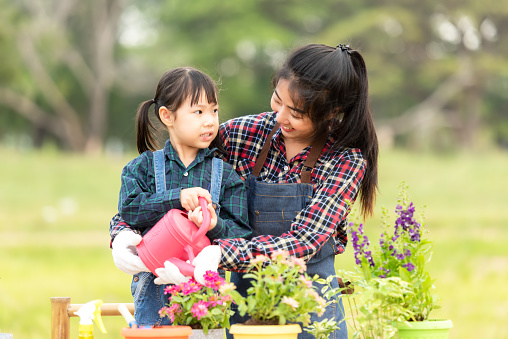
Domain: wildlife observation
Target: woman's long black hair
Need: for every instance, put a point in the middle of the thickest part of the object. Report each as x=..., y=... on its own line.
x=330, y=85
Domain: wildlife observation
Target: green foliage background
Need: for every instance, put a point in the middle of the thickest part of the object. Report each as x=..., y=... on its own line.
x=411, y=48
x=55, y=206
x=55, y=209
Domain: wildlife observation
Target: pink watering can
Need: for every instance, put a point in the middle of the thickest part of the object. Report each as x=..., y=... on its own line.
x=175, y=238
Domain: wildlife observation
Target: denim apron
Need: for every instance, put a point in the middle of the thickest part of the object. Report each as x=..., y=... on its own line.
x=272, y=208
x=149, y=297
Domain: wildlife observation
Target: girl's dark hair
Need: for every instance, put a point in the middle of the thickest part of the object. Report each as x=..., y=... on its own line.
x=330, y=85
x=174, y=88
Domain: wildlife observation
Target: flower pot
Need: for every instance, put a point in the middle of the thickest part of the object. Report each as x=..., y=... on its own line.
x=265, y=331
x=432, y=329
x=163, y=332
x=217, y=333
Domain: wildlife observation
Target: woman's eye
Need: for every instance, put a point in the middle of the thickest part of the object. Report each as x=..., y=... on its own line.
x=297, y=116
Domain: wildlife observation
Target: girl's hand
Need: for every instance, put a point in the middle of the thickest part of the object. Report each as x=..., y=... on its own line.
x=196, y=216
x=189, y=197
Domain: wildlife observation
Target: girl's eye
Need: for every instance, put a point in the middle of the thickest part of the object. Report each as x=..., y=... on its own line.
x=216, y=111
x=198, y=111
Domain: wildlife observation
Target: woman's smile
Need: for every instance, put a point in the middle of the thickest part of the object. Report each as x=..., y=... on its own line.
x=287, y=129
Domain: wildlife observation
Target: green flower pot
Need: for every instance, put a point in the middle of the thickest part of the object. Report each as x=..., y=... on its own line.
x=435, y=329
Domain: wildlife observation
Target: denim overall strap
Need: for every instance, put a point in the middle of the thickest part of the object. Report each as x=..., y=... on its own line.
x=159, y=170
x=315, y=151
x=272, y=209
x=216, y=181
x=260, y=161
x=148, y=297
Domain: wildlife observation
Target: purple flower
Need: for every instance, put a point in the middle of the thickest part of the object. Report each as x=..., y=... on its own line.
x=409, y=266
x=361, y=248
x=407, y=223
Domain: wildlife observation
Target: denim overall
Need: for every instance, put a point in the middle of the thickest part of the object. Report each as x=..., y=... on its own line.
x=149, y=297
x=272, y=208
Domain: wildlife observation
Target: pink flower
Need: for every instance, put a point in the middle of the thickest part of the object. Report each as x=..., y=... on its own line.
x=301, y=263
x=290, y=301
x=305, y=281
x=163, y=312
x=213, y=280
x=281, y=257
x=214, y=300
x=320, y=301
x=226, y=298
x=199, y=309
x=170, y=311
x=279, y=254
x=190, y=287
x=172, y=289
x=259, y=259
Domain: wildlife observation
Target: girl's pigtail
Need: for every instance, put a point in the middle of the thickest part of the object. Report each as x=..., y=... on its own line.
x=145, y=138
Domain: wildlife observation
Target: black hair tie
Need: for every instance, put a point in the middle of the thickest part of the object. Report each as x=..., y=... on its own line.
x=344, y=48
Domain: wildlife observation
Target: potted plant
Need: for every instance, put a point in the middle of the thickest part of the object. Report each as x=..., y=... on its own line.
x=202, y=307
x=281, y=293
x=393, y=288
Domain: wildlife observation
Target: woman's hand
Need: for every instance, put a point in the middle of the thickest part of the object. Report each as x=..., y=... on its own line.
x=196, y=216
x=189, y=197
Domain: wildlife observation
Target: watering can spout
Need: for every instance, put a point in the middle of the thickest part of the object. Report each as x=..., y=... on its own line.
x=206, y=221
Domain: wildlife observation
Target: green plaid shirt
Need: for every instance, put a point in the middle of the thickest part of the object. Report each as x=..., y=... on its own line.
x=140, y=206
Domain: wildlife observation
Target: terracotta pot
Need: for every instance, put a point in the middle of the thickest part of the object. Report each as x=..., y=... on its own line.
x=163, y=332
x=217, y=333
x=265, y=331
x=431, y=329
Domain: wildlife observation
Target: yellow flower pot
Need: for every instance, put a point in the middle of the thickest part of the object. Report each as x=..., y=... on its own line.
x=265, y=331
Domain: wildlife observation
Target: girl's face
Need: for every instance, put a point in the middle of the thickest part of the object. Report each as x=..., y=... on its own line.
x=192, y=127
x=295, y=125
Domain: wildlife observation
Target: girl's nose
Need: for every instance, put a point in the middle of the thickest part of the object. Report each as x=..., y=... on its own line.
x=209, y=119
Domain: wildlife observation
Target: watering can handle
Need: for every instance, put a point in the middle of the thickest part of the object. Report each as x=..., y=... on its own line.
x=206, y=221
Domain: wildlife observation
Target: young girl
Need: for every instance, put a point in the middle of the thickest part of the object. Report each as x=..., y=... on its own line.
x=186, y=104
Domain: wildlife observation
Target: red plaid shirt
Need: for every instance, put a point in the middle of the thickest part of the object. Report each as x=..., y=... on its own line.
x=336, y=179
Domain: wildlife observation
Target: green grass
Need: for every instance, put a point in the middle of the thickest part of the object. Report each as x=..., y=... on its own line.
x=54, y=242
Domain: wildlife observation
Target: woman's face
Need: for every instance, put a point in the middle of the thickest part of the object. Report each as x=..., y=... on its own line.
x=295, y=125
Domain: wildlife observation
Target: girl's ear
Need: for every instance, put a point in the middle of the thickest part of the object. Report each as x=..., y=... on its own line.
x=166, y=116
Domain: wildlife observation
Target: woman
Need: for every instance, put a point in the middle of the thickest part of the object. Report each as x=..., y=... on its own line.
x=304, y=164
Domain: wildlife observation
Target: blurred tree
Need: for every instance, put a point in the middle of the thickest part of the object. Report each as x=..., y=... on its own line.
x=432, y=64
x=62, y=77
x=432, y=67
x=78, y=70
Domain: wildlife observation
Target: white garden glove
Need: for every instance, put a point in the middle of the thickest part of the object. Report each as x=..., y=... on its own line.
x=207, y=260
x=169, y=274
x=125, y=255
